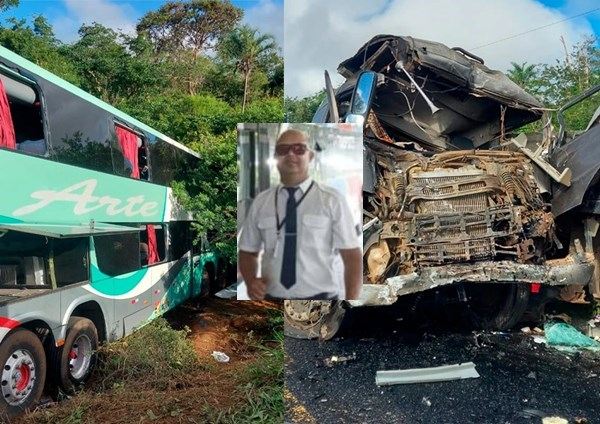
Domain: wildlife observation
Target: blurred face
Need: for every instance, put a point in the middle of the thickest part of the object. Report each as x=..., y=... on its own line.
x=293, y=155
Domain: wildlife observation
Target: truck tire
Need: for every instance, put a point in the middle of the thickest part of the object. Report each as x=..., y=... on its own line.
x=23, y=372
x=75, y=360
x=311, y=319
x=497, y=306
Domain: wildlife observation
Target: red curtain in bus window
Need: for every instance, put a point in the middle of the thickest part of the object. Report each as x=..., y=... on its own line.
x=128, y=141
x=152, y=247
x=7, y=130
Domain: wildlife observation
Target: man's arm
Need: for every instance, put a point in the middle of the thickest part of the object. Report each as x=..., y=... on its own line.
x=248, y=262
x=352, y=259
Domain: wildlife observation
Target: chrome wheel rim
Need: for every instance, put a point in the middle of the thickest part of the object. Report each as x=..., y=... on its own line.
x=80, y=357
x=18, y=377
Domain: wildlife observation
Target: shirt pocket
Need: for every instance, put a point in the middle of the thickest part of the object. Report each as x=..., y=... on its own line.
x=268, y=232
x=317, y=232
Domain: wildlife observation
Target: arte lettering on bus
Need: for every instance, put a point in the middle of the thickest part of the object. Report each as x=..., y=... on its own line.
x=81, y=195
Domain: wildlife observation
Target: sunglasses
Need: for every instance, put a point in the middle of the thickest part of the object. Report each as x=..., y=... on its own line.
x=297, y=149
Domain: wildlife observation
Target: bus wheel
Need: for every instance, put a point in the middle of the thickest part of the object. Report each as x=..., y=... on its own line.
x=76, y=359
x=311, y=319
x=23, y=372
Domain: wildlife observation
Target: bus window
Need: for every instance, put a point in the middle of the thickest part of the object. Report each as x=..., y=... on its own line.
x=79, y=130
x=145, y=247
x=134, y=150
x=167, y=162
x=26, y=113
x=23, y=259
x=118, y=254
x=70, y=260
x=143, y=159
x=179, y=240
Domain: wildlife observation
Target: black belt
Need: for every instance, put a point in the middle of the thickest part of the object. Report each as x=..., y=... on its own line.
x=318, y=296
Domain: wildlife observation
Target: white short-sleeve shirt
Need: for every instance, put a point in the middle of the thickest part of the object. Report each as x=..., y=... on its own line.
x=324, y=225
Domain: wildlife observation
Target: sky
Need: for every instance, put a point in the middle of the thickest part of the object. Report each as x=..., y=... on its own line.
x=319, y=34
x=66, y=16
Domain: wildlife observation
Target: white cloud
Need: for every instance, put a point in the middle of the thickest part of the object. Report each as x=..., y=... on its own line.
x=320, y=34
x=118, y=16
x=267, y=16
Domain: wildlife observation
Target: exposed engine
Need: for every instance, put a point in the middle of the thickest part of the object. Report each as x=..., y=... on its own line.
x=453, y=207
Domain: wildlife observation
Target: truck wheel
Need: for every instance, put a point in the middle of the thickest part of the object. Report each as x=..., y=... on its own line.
x=310, y=319
x=497, y=306
x=75, y=360
x=24, y=371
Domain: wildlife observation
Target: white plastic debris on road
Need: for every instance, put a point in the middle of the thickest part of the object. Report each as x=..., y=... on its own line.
x=220, y=356
x=427, y=375
x=554, y=420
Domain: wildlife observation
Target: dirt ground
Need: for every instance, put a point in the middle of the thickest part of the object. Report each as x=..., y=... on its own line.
x=239, y=329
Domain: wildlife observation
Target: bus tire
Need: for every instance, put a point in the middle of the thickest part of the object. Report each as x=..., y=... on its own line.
x=23, y=371
x=75, y=360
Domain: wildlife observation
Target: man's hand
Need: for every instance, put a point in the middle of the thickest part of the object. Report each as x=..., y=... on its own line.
x=352, y=259
x=248, y=264
x=257, y=288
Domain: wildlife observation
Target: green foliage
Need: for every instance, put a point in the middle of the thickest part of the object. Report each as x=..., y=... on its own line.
x=525, y=76
x=210, y=191
x=114, y=66
x=245, y=49
x=555, y=84
x=164, y=77
x=7, y=4
x=302, y=110
x=38, y=45
x=264, y=110
x=196, y=25
x=156, y=356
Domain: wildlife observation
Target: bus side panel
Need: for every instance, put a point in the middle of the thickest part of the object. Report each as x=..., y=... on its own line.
x=175, y=287
x=75, y=296
x=163, y=287
x=43, y=307
x=200, y=262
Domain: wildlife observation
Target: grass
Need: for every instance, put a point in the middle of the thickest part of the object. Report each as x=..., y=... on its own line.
x=157, y=375
x=156, y=356
x=261, y=383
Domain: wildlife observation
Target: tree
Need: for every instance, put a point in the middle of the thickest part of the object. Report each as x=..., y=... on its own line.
x=196, y=25
x=524, y=75
x=569, y=77
x=303, y=110
x=183, y=32
x=38, y=45
x=113, y=65
x=246, y=49
x=7, y=4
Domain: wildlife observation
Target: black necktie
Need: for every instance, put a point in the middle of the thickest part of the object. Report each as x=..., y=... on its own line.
x=288, y=267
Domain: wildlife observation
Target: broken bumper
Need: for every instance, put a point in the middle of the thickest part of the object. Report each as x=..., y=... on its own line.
x=556, y=272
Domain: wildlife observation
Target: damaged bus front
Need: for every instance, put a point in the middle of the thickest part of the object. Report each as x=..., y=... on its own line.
x=452, y=204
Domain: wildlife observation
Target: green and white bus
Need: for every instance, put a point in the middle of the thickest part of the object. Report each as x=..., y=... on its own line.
x=93, y=243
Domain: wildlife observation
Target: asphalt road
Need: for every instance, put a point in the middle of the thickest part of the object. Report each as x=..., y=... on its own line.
x=521, y=381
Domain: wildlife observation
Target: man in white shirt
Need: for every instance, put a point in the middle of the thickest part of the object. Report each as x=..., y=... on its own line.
x=300, y=225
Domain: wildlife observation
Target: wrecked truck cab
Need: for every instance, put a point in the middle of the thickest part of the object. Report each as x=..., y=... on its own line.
x=449, y=202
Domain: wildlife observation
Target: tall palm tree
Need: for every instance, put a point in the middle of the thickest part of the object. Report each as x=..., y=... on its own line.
x=522, y=74
x=246, y=48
